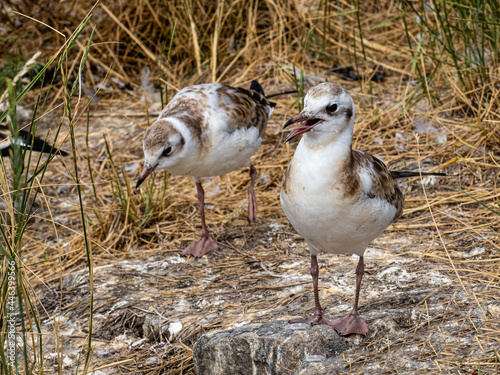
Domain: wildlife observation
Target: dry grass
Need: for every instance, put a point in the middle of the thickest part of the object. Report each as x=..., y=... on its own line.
x=451, y=227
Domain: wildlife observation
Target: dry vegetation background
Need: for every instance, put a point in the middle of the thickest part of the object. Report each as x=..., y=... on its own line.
x=436, y=270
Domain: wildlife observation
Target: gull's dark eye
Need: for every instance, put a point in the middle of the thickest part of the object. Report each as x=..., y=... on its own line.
x=331, y=108
x=167, y=151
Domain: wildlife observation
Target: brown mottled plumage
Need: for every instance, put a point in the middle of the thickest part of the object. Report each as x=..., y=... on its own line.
x=183, y=109
x=155, y=135
x=383, y=185
x=325, y=89
x=250, y=107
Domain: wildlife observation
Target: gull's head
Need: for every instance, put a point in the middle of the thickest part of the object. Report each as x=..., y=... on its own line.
x=163, y=145
x=328, y=110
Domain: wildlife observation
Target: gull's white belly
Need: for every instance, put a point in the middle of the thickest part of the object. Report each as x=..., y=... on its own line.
x=331, y=222
x=227, y=152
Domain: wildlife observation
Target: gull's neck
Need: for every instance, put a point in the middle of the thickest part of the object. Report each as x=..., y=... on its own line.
x=339, y=144
x=324, y=154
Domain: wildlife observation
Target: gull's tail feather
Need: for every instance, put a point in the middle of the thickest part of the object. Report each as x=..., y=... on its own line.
x=27, y=141
x=255, y=86
x=406, y=174
x=40, y=145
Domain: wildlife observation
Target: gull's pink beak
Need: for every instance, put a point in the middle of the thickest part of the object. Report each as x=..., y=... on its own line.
x=145, y=173
x=300, y=117
x=307, y=125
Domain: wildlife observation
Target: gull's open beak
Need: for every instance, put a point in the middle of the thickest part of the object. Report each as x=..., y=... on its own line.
x=307, y=125
x=145, y=173
x=300, y=117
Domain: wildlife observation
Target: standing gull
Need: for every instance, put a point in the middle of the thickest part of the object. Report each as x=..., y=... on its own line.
x=337, y=198
x=208, y=130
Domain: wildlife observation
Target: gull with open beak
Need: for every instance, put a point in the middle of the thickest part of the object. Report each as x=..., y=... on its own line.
x=337, y=198
x=208, y=130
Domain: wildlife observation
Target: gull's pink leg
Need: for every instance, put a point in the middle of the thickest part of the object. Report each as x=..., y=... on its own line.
x=205, y=244
x=353, y=323
x=252, y=200
x=318, y=318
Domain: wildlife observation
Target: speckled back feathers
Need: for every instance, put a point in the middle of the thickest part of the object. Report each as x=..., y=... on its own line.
x=195, y=105
x=382, y=184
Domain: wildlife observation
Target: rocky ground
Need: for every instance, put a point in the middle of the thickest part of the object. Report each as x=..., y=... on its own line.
x=149, y=311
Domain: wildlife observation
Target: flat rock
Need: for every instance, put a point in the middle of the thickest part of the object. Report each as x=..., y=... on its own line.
x=272, y=348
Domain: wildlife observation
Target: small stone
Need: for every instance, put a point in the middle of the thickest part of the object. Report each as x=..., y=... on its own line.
x=138, y=343
x=173, y=329
x=324, y=367
x=476, y=251
x=315, y=358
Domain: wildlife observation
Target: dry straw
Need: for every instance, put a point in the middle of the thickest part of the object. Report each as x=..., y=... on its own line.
x=432, y=85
